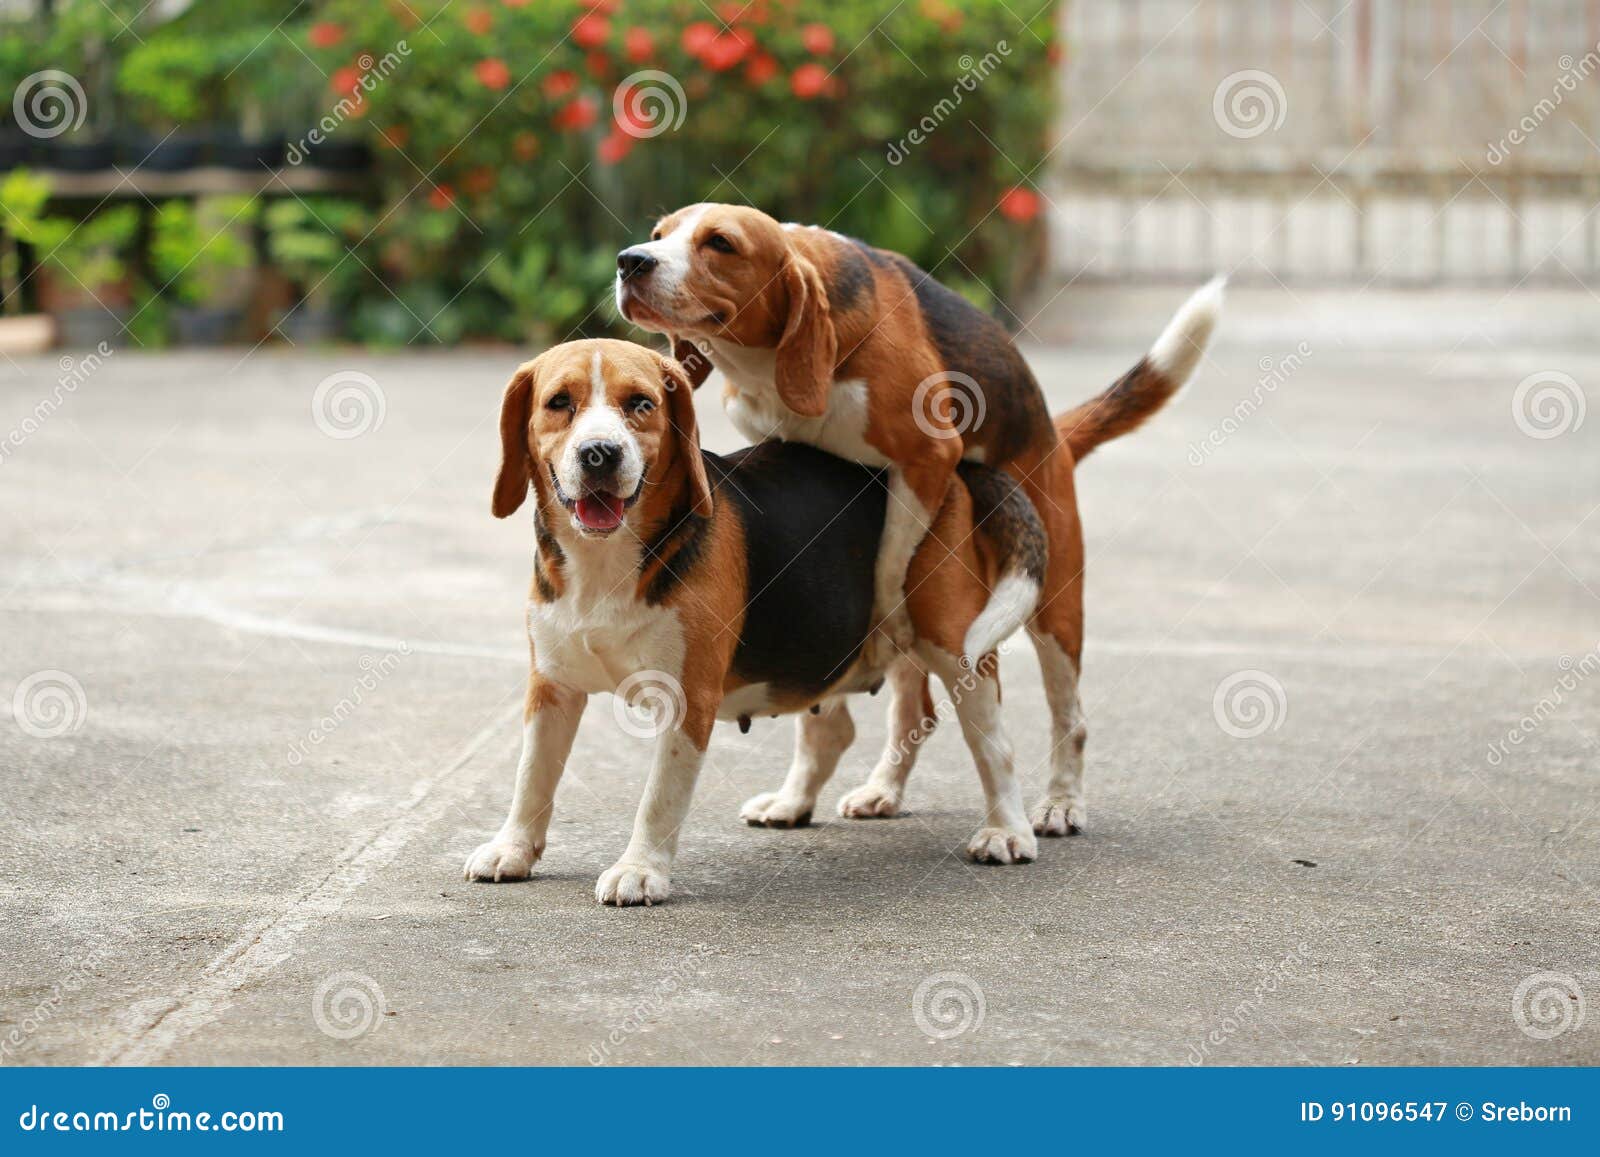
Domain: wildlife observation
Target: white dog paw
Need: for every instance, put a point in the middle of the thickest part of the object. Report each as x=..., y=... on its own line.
x=1058, y=817
x=502, y=859
x=869, y=802
x=999, y=846
x=772, y=809
x=625, y=884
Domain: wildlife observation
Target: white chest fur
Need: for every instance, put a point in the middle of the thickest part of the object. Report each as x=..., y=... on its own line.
x=598, y=633
x=759, y=414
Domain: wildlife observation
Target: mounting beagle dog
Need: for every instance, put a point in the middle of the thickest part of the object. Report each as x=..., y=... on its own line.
x=824, y=339
x=724, y=586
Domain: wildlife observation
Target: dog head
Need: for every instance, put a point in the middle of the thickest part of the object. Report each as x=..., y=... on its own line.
x=733, y=273
x=592, y=424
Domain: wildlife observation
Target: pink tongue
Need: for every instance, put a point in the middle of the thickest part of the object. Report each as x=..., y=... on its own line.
x=600, y=511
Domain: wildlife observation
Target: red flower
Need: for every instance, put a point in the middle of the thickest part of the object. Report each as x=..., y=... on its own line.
x=638, y=45
x=492, y=73
x=479, y=181
x=395, y=136
x=442, y=197
x=525, y=145
x=479, y=20
x=725, y=50
x=606, y=7
x=616, y=146
x=730, y=10
x=698, y=36
x=325, y=34
x=578, y=115
x=808, y=81
x=599, y=65
x=345, y=80
x=1019, y=204
x=590, y=31
x=761, y=67
x=558, y=84
x=818, y=39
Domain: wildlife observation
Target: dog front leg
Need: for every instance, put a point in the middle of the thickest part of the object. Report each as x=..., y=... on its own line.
x=549, y=725
x=642, y=875
x=820, y=739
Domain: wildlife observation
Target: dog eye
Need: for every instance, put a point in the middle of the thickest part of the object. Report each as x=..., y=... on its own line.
x=640, y=405
x=720, y=243
x=561, y=401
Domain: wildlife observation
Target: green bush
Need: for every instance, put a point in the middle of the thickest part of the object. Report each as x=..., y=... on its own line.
x=194, y=249
x=509, y=184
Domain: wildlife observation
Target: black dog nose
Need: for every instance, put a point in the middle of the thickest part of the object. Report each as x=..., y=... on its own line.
x=599, y=456
x=633, y=263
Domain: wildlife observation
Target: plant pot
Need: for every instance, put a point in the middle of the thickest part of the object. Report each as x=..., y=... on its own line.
x=79, y=156
x=339, y=156
x=310, y=325
x=205, y=325
x=16, y=149
x=86, y=326
x=246, y=154
x=30, y=333
x=162, y=154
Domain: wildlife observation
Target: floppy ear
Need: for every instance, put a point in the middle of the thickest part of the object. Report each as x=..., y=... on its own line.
x=516, y=464
x=694, y=363
x=680, y=415
x=808, y=348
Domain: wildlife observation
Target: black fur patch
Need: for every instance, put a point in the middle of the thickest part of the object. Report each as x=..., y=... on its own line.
x=812, y=523
x=679, y=545
x=541, y=581
x=971, y=342
x=851, y=279
x=1004, y=515
x=545, y=547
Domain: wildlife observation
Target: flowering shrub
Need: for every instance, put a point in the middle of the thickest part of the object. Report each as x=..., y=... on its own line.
x=521, y=143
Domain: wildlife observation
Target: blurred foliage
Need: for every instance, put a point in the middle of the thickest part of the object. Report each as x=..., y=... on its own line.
x=194, y=247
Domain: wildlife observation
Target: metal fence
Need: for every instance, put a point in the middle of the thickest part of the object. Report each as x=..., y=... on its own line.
x=1372, y=141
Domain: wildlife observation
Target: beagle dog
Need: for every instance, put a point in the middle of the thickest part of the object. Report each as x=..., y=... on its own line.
x=696, y=586
x=824, y=339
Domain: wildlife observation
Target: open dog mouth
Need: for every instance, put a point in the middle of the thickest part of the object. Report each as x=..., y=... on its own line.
x=595, y=511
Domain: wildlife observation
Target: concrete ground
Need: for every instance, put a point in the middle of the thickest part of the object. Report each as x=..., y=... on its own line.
x=1376, y=559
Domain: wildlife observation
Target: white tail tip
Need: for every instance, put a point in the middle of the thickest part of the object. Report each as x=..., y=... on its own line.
x=1178, y=350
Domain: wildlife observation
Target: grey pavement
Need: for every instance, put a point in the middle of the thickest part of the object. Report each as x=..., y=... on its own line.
x=1303, y=844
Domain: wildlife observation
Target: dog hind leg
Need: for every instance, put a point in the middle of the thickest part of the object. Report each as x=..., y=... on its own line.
x=911, y=721
x=820, y=740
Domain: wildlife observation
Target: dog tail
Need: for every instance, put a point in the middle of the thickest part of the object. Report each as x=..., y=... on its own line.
x=1005, y=519
x=1149, y=385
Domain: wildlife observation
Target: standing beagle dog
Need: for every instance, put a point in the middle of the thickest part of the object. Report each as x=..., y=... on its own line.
x=824, y=339
x=724, y=586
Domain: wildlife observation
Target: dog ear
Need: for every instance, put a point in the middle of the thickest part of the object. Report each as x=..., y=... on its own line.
x=694, y=362
x=809, y=347
x=516, y=463
x=680, y=416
